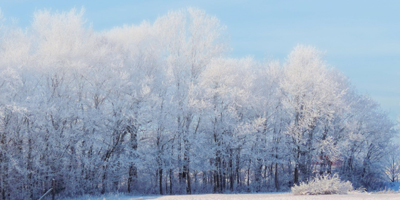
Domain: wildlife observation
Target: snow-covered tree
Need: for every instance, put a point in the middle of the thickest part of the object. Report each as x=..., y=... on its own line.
x=310, y=97
x=158, y=108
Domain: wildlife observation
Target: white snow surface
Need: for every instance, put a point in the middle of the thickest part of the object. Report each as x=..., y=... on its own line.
x=267, y=196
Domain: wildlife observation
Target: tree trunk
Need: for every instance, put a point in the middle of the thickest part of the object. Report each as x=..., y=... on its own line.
x=238, y=183
x=30, y=168
x=132, y=177
x=216, y=183
x=132, y=174
x=103, y=180
x=160, y=176
x=296, y=175
x=170, y=181
x=248, y=176
x=231, y=173
x=186, y=176
x=276, y=181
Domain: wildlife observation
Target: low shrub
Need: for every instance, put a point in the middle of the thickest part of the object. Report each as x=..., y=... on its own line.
x=323, y=184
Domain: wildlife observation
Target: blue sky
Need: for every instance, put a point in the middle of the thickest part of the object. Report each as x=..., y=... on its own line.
x=360, y=38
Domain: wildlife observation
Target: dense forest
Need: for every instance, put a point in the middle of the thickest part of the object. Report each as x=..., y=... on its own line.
x=160, y=108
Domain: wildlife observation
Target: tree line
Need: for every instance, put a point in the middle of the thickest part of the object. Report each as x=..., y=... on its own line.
x=159, y=108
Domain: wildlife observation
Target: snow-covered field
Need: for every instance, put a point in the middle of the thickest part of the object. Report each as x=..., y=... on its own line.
x=271, y=196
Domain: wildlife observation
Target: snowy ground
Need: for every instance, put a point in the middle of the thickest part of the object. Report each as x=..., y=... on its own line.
x=273, y=196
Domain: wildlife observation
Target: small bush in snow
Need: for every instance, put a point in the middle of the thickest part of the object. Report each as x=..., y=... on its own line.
x=326, y=184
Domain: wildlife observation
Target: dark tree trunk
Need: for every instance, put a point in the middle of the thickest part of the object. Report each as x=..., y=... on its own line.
x=238, y=183
x=216, y=183
x=132, y=174
x=170, y=181
x=276, y=180
x=231, y=173
x=186, y=177
x=103, y=180
x=160, y=176
x=248, y=176
x=132, y=177
x=296, y=175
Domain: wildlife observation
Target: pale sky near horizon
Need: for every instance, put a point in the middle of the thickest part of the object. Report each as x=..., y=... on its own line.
x=360, y=38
